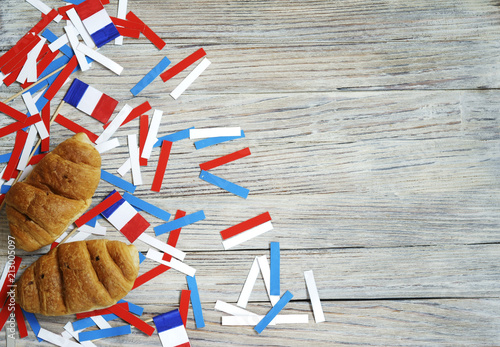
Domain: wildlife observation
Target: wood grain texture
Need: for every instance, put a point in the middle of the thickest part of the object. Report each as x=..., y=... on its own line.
x=375, y=136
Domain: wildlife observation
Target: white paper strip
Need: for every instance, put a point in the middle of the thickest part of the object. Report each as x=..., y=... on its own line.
x=4, y=273
x=32, y=109
x=114, y=125
x=266, y=275
x=133, y=149
x=231, y=309
x=108, y=145
x=79, y=236
x=249, y=284
x=63, y=235
x=28, y=145
x=162, y=246
x=126, y=166
x=40, y=6
x=55, y=339
x=247, y=235
x=29, y=71
x=122, y=13
x=253, y=320
x=78, y=24
x=174, y=263
x=214, y=132
x=69, y=329
x=101, y=322
x=193, y=75
x=27, y=170
x=152, y=132
x=101, y=59
x=57, y=44
x=97, y=230
x=314, y=296
x=73, y=41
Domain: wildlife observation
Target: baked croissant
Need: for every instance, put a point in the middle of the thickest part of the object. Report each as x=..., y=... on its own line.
x=57, y=192
x=78, y=277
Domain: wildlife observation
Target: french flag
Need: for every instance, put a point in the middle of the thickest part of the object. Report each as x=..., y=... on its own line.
x=91, y=101
x=171, y=329
x=126, y=219
x=97, y=22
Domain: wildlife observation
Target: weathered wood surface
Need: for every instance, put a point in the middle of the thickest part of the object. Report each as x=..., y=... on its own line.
x=374, y=132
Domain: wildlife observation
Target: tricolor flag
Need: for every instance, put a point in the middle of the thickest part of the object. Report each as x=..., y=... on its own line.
x=97, y=22
x=91, y=101
x=171, y=329
x=126, y=219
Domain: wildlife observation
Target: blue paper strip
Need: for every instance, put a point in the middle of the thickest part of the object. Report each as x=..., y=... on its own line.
x=195, y=302
x=89, y=322
x=146, y=206
x=137, y=310
x=4, y=158
x=275, y=269
x=168, y=320
x=150, y=76
x=142, y=257
x=74, y=2
x=215, y=140
x=33, y=322
x=105, y=35
x=117, y=181
x=179, y=223
x=264, y=322
x=224, y=184
x=179, y=135
x=102, y=333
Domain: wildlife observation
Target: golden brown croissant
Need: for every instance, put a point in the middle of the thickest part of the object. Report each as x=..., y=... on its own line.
x=78, y=277
x=57, y=192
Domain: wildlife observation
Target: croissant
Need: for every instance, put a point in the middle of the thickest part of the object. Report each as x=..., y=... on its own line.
x=57, y=192
x=78, y=277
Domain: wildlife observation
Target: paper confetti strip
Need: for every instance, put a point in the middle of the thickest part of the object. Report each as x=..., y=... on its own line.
x=275, y=269
x=193, y=75
x=90, y=100
x=147, y=207
x=249, y=284
x=266, y=276
x=12, y=112
x=73, y=42
x=134, y=320
x=224, y=184
x=200, y=144
x=97, y=22
x=133, y=148
x=162, y=246
x=33, y=322
x=152, y=132
x=150, y=76
x=171, y=329
x=195, y=302
x=184, y=305
x=107, y=146
x=100, y=58
x=177, y=136
x=21, y=324
x=99, y=208
x=247, y=235
x=183, y=64
x=225, y=159
x=231, y=309
x=56, y=339
x=78, y=24
x=314, y=296
x=173, y=263
x=102, y=333
x=214, y=132
x=246, y=225
x=254, y=320
x=147, y=31
x=74, y=127
x=117, y=181
x=273, y=312
x=162, y=166
x=179, y=223
x=115, y=124
x=126, y=219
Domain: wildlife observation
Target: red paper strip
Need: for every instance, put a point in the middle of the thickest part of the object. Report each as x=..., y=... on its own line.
x=159, y=269
x=63, y=9
x=143, y=134
x=184, y=305
x=225, y=159
x=16, y=152
x=10, y=111
x=162, y=166
x=44, y=22
x=134, y=320
x=127, y=32
x=45, y=114
x=183, y=64
x=100, y=312
x=136, y=112
x=11, y=128
x=241, y=227
x=11, y=78
x=99, y=208
x=18, y=47
x=4, y=314
x=127, y=23
x=11, y=65
x=9, y=280
x=36, y=158
x=173, y=236
x=21, y=324
x=54, y=245
x=61, y=78
x=74, y=127
x=45, y=61
x=147, y=31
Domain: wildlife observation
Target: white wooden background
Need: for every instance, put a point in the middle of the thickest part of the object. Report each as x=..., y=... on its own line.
x=374, y=131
